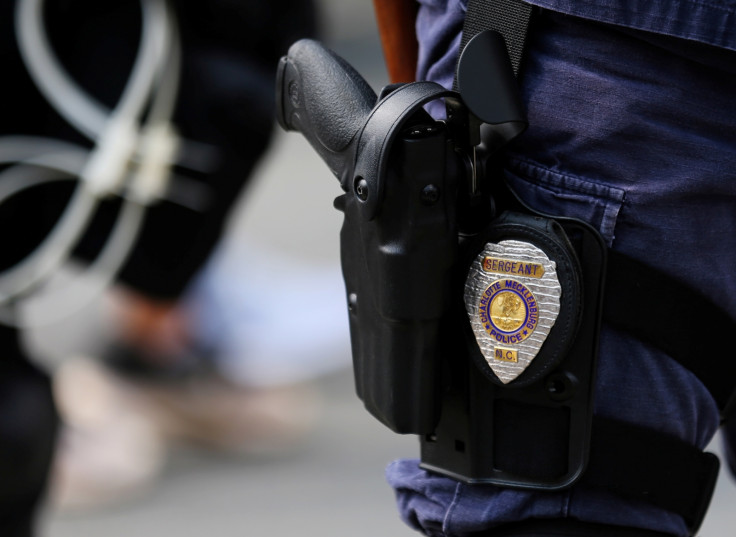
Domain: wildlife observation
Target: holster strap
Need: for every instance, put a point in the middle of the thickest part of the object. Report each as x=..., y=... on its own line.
x=641, y=464
x=565, y=527
x=660, y=310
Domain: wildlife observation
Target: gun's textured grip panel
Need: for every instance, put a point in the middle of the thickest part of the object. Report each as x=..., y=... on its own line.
x=320, y=95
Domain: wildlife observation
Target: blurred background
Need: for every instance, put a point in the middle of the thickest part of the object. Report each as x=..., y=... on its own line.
x=328, y=480
x=323, y=473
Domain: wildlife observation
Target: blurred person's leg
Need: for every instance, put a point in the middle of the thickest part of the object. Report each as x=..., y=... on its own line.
x=28, y=425
x=232, y=367
x=250, y=325
x=225, y=110
x=249, y=315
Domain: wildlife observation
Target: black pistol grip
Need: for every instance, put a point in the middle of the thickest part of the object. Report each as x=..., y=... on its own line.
x=320, y=95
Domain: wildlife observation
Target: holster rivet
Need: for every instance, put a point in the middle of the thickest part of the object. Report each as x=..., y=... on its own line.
x=430, y=194
x=361, y=188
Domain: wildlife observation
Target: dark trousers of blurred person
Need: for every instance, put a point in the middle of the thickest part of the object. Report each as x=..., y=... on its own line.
x=225, y=102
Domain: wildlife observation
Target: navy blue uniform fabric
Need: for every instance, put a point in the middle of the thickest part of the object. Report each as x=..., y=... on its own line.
x=633, y=132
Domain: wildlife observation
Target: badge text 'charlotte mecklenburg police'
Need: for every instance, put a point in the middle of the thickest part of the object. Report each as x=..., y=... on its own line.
x=512, y=296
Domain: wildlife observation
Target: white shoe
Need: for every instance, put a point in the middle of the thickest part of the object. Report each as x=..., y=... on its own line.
x=117, y=431
x=108, y=449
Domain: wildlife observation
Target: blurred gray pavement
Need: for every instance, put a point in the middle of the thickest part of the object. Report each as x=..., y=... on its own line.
x=333, y=486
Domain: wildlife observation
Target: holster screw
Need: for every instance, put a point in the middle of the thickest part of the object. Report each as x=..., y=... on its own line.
x=430, y=194
x=361, y=188
x=352, y=302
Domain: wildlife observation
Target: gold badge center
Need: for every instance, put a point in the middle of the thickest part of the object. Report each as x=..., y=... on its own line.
x=508, y=311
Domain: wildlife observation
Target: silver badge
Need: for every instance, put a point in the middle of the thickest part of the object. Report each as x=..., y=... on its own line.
x=512, y=296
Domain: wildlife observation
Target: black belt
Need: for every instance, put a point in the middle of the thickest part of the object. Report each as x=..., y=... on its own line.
x=659, y=309
x=644, y=465
x=565, y=527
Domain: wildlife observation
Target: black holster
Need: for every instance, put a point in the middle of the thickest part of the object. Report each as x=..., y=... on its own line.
x=421, y=196
x=398, y=271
